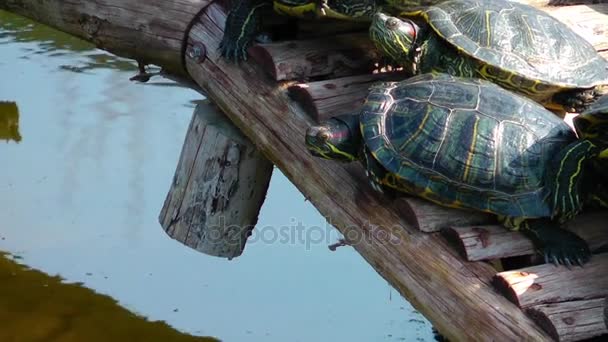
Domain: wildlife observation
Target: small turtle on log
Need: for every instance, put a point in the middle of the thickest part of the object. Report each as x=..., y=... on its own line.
x=468, y=143
x=514, y=45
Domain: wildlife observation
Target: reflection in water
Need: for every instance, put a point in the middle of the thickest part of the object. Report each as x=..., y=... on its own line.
x=37, y=307
x=9, y=121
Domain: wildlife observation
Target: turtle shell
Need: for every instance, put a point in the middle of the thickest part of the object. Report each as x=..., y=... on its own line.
x=518, y=39
x=464, y=143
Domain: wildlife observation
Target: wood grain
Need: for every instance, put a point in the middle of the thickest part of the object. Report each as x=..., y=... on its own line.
x=547, y=283
x=218, y=189
x=571, y=321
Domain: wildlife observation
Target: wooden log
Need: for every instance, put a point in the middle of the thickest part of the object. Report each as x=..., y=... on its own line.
x=606, y=312
x=429, y=217
x=330, y=57
x=547, y=283
x=571, y=321
x=324, y=99
x=218, y=188
x=132, y=29
x=418, y=265
x=9, y=121
x=494, y=241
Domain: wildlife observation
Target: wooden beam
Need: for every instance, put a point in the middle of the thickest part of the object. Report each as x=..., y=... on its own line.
x=218, y=189
x=546, y=283
x=132, y=29
x=494, y=241
x=571, y=321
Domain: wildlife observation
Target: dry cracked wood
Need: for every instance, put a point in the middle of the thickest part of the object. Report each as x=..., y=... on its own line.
x=571, y=321
x=494, y=241
x=547, y=283
x=218, y=189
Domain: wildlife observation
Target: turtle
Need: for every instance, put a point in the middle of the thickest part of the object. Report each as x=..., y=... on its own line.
x=515, y=45
x=469, y=143
x=243, y=19
x=592, y=124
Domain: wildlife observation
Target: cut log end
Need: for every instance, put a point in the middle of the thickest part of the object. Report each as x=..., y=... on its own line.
x=218, y=189
x=571, y=321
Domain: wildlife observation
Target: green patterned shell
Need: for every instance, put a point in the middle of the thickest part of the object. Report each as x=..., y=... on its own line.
x=464, y=143
x=519, y=40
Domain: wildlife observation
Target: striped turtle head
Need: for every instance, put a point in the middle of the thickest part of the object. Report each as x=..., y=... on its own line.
x=338, y=138
x=394, y=37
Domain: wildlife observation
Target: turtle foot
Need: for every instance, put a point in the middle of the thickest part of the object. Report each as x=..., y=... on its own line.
x=231, y=51
x=559, y=246
x=576, y=101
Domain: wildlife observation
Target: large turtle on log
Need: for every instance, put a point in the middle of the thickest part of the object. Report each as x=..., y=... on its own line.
x=468, y=143
x=243, y=21
x=517, y=46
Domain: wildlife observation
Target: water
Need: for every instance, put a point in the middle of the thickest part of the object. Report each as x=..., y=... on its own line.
x=81, y=191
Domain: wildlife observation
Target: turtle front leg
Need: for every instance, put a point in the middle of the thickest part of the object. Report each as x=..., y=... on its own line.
x=575, y=101
x=557, y=245
x=565, y=177
x=242, y=24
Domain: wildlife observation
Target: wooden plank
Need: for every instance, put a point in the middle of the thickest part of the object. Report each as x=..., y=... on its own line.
x=218, y=189
x=429, y=217
x=433, y=278
x=324, y=99
x=330, y=57
x=547, y=283
x=494, y=241
x=571, y=321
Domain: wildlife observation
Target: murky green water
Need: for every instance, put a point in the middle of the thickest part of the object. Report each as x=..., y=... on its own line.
x=81, y=191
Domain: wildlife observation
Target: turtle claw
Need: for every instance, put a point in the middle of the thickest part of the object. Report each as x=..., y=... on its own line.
x=558, y=246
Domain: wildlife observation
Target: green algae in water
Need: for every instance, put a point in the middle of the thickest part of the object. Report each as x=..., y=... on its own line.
x=38, y=307
x=9, y=121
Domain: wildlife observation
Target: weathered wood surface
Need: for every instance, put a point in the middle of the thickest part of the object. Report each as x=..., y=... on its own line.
x=494, y=241
x=429, y=217
x=327, y=98
x=571, y=321
x=418, y=265
x=330, y=57
x=547, y=283
x=133, y=29
x=218, y=189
